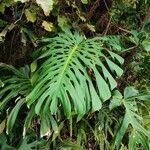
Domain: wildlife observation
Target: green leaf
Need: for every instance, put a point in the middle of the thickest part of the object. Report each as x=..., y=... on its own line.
x=4, y=4
x=116, y=100
x=114, y=67
x=28, y=119
x=45, y=126
x=2, y=7
x=4, y=144
x=63, y=78
x=116, y=57
x=30, y=15
x=62, y=22
x=27, y=145
x=146, y=45
x=134, y=38
x=7, y=98
x=69, y=144
x=3, y=23
x=122, y=130
x=132, y=119
x=29, y=34
x=144, y=96
x=1, y=83
x=136, y=138
x=130, y=92
x=16, y=86
x=84, y=1
x=114, y=42
x=33, y=66
x=54, y=127
x=13, y=115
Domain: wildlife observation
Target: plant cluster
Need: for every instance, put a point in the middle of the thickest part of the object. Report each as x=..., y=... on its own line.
x=86, y=85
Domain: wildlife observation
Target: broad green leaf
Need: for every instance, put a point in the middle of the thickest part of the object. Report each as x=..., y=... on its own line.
x=7, y=98
x=10, y=68
x=63, y=76
x=114, y=42
x=135, y=139
x=15, y=88
x=46, y=5
x=117, y=57
x=45, y=126
x=57, y=134
x=103, y=87
x=121, y=132
x=130, y=92
x=114, y=67
x=96, y=103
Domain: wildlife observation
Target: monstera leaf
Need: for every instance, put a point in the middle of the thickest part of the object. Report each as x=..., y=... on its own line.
x=76, y=73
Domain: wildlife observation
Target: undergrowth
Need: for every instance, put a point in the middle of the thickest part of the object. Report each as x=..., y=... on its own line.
x=87, y=83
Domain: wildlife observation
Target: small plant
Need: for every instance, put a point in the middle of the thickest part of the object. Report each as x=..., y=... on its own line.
x=131, y=119
x=14, y=89
x=72, y=77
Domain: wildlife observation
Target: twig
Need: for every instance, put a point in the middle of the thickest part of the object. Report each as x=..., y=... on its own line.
x=128, y=49
x=21, y=15
x=125, y=30
x=108, y=25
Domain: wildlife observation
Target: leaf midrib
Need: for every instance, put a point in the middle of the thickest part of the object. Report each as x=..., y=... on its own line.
x=72, y=51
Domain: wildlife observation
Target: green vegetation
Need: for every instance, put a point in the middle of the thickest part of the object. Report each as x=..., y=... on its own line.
x=74, y=75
